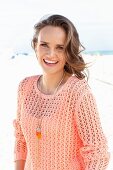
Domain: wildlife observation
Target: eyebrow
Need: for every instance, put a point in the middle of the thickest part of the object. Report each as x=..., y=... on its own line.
x=48, y=43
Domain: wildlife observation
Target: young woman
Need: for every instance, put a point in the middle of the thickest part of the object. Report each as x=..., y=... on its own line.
x=57, y=125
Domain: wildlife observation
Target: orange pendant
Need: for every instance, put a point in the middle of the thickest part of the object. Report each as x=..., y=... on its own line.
x=38, y=133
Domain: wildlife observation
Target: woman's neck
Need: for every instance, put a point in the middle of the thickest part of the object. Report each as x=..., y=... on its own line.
x=50, y=83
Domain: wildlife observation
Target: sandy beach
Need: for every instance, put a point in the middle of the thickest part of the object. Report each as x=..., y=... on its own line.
x=14, y=70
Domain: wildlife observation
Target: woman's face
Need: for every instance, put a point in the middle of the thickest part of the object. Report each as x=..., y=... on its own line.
x=50, y=49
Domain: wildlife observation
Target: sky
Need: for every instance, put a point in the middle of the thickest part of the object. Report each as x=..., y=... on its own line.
x=92, y=18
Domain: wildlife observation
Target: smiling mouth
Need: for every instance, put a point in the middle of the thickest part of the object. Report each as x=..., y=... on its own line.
x=50, y=62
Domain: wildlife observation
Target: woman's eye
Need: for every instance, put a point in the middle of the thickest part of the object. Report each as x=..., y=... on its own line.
x=44, y=45
x=60, y=48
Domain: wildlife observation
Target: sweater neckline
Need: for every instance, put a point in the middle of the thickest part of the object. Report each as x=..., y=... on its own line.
x=51, y=95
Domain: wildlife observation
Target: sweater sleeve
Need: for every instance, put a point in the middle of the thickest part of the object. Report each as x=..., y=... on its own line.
x=94, y=148
x=20, y=149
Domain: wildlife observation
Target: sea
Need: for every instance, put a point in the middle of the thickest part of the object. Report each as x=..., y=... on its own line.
x=100, y=52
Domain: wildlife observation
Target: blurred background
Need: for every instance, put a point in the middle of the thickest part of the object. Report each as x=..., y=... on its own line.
x=94, y=22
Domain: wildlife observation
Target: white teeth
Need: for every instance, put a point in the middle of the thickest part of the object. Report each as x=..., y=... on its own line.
x=50, y=62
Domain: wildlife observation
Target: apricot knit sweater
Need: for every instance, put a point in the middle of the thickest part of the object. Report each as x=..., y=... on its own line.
x=72, y=136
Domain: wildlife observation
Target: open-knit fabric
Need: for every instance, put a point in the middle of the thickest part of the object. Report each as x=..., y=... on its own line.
x=72, y=135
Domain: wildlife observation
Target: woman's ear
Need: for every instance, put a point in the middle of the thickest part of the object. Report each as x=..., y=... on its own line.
x=34, y=44
x=35, y=47
x=36, y=50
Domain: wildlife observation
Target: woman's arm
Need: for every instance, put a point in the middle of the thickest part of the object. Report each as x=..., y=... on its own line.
x=20, y=149
x=94, y=150
x=19, y=164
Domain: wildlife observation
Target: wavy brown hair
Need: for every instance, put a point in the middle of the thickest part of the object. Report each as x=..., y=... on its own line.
x=74, y=61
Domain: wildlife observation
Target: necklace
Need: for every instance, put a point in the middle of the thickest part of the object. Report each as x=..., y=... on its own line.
x=38, y=129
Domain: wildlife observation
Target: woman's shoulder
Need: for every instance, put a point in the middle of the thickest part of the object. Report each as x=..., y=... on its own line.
x=80, y=85
x=29, y=78
x=79, y=82
x=27, y=81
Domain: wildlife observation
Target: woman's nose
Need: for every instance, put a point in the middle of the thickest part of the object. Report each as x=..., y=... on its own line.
x=52, y=53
